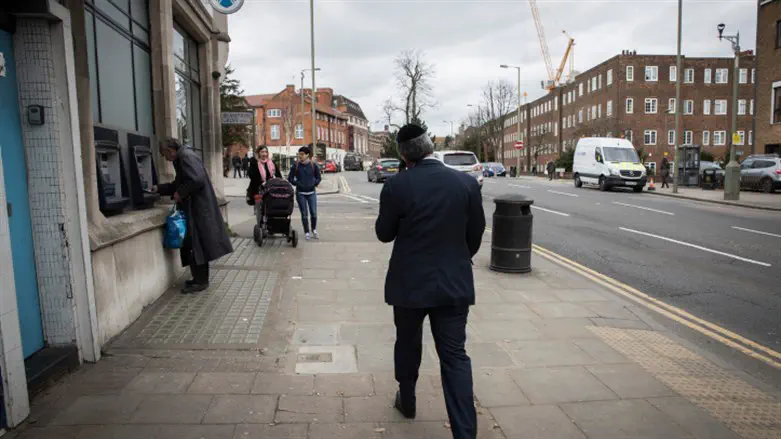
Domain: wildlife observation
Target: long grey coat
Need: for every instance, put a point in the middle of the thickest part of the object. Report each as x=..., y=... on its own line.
x=207, y=239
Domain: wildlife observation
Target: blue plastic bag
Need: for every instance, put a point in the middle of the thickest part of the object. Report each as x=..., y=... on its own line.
x=175, y=229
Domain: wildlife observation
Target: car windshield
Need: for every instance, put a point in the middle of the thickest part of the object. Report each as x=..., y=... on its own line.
x=620, y=155
x=389, y=163
x=460, y=159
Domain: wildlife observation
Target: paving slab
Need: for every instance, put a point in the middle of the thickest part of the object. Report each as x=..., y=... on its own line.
x=346, y=431
x=161, y=382
x=309, y=409
x=536, y=422
x=626, y=419
x=276, y=384
x=222, y=382
x=545, y=353
x=241, y=409
x=561, y=384
x=629, y=380
x=171, y=409
x=497, y=389
x=99, y=409
x=271, y=431
x=502, y=330
x=344, y=385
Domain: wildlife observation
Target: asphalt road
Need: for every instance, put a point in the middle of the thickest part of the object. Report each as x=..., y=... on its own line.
x=720, y=263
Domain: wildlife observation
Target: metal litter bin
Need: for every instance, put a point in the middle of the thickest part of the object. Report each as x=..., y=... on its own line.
x=709, y=179
x=511, y=236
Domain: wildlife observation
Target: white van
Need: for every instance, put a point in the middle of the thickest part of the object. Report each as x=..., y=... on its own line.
x=464, y=161
x=608, y=162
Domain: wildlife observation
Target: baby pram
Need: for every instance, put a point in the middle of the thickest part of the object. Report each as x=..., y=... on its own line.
x=272, y=214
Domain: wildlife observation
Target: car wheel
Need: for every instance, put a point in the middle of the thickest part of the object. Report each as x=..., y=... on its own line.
x=637, y=189
x=603, y=184
x=368, y=178
x=578, y=182
x=766, y=186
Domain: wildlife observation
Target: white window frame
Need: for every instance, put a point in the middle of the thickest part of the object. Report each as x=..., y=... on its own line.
x=742, y=136
x=276, y=133
x=688, y=137
x=654, y=103
x=580, y=89
x=751, y=137
x=707, y=76
x=609, y=79
x=594, y=84
x=673, y=73
x=649, y=137
x=706, y=107
x=629, y=135
x=671, y=137
x=722, y=76
x=719, y=138
x=599, y=82
x=743, y=76
x=651, y=73
x=273, y=112
x=630, y=105
x=753, y=75
x=751, y=108
x=688, y=107
x=609, y=109
x=774, y=88
x=630, y=73
x=580, y=116
x=672, y=108
x=299, y=131
x=706, y=138
x=720, y=103
x=741, y=107
x=688, y=76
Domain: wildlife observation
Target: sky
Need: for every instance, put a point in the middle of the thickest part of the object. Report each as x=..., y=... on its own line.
x=356, y=42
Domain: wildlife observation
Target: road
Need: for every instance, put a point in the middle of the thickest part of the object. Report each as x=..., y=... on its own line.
x=720, y=263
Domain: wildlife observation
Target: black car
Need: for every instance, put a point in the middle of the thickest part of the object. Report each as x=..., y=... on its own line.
x=382, y=169
x=353, y=162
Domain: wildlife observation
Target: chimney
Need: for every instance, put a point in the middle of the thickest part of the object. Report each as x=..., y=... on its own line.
x=290, y=88
x=325, y=96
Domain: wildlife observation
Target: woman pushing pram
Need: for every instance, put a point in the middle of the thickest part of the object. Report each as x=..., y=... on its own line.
x=272, y=197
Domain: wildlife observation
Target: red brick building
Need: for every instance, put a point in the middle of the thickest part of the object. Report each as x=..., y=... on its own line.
x=634, y=96
x=768, y=118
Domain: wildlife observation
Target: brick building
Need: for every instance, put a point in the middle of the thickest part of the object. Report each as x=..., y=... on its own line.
x=634, y=96
x=357, y=124
x=376, y=140
x=768, y=118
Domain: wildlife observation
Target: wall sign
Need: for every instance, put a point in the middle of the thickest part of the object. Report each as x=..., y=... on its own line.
x=227, y=6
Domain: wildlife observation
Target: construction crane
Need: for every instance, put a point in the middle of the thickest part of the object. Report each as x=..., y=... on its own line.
x=554, y=76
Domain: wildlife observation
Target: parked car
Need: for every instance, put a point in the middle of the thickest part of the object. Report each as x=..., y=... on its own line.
x=382, y=169
x=608, y=162
x=488, y=172
x=495, y=169
x=464, y=161
x=761, y=172
x=717, y=167
x=353, y=162
x=328, y=166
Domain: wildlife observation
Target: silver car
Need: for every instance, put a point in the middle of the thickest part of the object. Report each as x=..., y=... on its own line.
x=464, y=161
x=761, y=172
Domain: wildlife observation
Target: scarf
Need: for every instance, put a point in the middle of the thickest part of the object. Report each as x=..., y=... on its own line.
x=262, y=169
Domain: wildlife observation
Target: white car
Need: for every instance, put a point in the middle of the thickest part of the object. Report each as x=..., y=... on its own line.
x=608, y=162
x=464, y=161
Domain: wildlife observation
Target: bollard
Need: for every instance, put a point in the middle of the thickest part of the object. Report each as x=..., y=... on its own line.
x=511, y=236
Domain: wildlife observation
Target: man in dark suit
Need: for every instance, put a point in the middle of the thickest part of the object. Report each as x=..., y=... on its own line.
x=435, y=215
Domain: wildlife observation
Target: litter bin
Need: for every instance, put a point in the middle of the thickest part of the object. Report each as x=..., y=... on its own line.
x=709, y=179
x=511, y=237
x=513, y=172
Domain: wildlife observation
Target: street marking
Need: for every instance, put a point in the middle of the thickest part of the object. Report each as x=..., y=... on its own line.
x=521, y=186
x=756, y=231
x=549, y=211
x=354, y=198
x=644, y=208
x=564, y=193
x=347, y=188
x=687, y=244
x=725, y=336
x=368, y=198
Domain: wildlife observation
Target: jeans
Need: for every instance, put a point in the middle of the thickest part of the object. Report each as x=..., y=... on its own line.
x=308, y=205
x=236, y=170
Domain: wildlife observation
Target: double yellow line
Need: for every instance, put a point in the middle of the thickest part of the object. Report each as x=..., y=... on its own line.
x=722, y=335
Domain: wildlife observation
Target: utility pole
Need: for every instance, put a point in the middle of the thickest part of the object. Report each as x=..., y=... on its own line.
x=518, y=135
x=678, y=106
x=732, y=171
x=314, y=114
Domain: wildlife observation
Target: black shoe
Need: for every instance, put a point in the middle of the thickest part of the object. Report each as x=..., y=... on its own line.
x=408, y=412
x=189, y=283
x=194, y=288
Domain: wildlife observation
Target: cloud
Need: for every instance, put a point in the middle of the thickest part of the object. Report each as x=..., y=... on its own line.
x=358, y=40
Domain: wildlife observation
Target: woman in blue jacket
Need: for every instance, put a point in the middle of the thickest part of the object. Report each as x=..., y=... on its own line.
x=305, y=176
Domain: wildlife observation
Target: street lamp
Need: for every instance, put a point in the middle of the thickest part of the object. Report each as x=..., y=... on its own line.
x=451, y=126
x=732, y=171
x=313, y=70
x=518, y=135
x=479, y=128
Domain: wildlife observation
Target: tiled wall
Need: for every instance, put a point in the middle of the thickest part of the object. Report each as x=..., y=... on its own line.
x=36, y=78
x=11, y=357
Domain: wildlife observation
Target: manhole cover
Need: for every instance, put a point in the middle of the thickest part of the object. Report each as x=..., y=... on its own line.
x=325, y=357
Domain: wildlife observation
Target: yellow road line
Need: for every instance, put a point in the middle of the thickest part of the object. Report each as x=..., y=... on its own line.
x=693, y=322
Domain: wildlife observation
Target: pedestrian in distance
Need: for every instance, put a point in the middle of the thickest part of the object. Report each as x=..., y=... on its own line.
x=305, y=177
x=434, y=217
x=665, y=171
x=245, y=165
x=236, y=166
x=551, y=170
x=206, y=238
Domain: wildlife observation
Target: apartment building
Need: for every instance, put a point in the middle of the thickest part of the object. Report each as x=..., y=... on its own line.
x=376, y=140
x=768, y=118
x=357, y=124
x=634, y=96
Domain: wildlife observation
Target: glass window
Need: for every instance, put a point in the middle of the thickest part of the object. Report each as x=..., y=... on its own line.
x=671, y=137
x=609, y=80
x=188, y=91
x=720, y=107
x=706, y=138
x=706, y=107
x=778, y=34
x=689, y=76
x=776, y=115
x=719, y=138
x=115, y=73
x=651, y=73
x=630, y=105
x=671, y=107
x=722, y=76
x=688, y=107
x=707, y=76
x=649, y=137
x=620, y=154
x=742, y=138
x=93, y=66
x=673, y=73
x=630, y=73
x=113, y=13
x=741, y=107
x=651, y=105
x=299, y=131
x=275, y=132
x=743, y=76
x=688, y=137
x=142, y=69
x=609, y=109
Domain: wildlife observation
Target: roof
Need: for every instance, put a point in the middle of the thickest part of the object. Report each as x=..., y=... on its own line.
x=259, y=100
x=263, y=99
x=352, y=107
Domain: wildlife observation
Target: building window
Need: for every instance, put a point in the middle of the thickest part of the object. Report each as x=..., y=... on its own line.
x=742, y=138
x=743, y=76
x=609, y=80
x=719, y=138
x=689, y=76
x=599, y=110
x=629, y=135
x=776, y=110
x=580, y=89
x=753, y=75
x=188, y=90
x=651, y=105
x=299, y=131
x=651, y=73
x=673, y=74
x=741, y=107
x=580, y=116
x=599, y=81
x=120, y=65
x=609, y=109
x=630, y=73
x=274, y=112
x=720, y=107
x=722, y=76
x=706, y=138
x=688, y=137
x=707, y=76
x=750, y=137
x=751, y=108
x=649, y=137
x=778, y=34
x=671, y=137
x=688, y=107
x=671, y=107
x=275, y=132
x=706, y=107
x=630, y=105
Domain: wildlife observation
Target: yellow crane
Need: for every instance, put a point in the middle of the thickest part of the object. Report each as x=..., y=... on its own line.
x=554, y=76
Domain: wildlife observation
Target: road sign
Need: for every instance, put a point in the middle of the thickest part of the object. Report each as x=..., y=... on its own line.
x=519, y=144
x=236, y=118
x=735, y=138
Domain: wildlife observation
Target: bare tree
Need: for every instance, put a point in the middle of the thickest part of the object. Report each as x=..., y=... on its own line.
x=389, y=108
x=289, y=118
x=413, y=77
x=499, y=99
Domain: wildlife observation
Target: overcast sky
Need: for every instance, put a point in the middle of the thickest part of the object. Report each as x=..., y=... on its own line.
x=466, y=40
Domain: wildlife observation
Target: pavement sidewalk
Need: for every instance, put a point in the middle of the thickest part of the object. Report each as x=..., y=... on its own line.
x=754, y=200
x=297, y=343
x=237, y=187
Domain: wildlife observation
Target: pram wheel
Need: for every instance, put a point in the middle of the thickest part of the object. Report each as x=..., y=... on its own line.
x=257, y=235
x=293, y=238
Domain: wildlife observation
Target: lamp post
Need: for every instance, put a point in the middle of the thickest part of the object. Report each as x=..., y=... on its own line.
x=518, y=135
x=451, y=126
x=313, y=70
x=678, y=74
x=479, y=128
x=303, y=73
x=732, y=171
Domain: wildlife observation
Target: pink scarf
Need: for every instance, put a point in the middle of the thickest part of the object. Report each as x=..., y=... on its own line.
x=262, y=170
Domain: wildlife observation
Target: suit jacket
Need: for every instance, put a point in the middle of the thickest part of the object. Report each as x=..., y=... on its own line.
x=435, y=216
